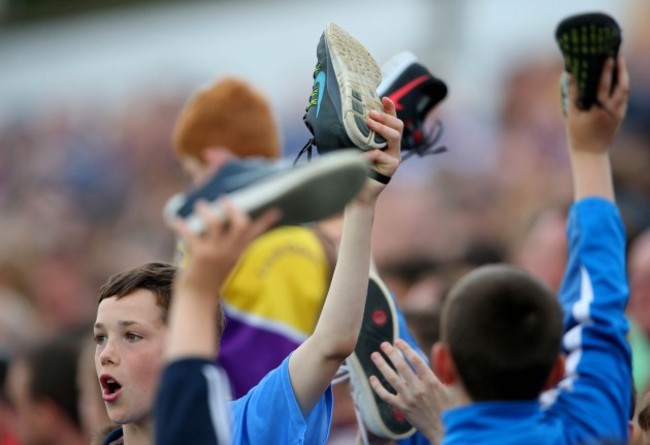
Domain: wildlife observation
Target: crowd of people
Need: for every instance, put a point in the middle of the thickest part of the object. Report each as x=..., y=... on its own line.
x=82, y=197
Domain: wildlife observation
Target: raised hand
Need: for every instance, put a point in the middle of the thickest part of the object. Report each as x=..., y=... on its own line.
x=420, y=395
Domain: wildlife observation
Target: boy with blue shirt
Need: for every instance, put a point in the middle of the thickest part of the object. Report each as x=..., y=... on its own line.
x=502, y=329
x=292, y=404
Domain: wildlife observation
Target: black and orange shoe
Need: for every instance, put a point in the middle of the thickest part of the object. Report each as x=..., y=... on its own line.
x=380, y=324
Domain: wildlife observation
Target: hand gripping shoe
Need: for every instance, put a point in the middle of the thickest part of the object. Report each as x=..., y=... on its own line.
x=415, y=92
x=586, y=41
x=305, y=193
x=344, y=91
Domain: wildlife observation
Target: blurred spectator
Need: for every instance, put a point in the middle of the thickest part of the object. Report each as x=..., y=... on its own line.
x=543, y=249
x=7, y=414
x=43, y=390
x=92, y=411
x=639, y=309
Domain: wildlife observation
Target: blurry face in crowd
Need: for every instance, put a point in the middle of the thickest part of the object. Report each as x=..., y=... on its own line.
x=130, y=337
x=639, y=274
x=30, y=413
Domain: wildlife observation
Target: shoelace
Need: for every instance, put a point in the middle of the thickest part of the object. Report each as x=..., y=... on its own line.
x=306, y=149
x=429, y=147
x=313, y=97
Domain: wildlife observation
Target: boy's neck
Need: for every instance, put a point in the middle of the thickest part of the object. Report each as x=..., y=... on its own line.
x=140, y=433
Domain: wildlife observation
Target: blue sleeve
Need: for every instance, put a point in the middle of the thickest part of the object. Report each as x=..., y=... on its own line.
x=593, y=400
x=191, y=405
x=269, y=414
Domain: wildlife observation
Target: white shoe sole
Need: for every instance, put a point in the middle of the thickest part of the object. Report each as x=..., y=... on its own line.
x=358, y=76
x=306, y=193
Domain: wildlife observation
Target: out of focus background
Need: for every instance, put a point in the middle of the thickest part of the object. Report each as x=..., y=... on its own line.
x=89, y=92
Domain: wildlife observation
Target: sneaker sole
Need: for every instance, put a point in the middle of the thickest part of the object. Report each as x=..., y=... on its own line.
x=380, y=324
x=358, y=75
x=304, y=194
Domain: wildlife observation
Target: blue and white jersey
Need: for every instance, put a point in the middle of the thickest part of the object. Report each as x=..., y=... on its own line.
x=192, y=408
x=593, y=400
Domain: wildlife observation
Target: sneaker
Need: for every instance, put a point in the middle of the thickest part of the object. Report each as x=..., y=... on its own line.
x=345, y=90
x=586, y=41
x=305, y=194
x=379, y=325
x=415, y=92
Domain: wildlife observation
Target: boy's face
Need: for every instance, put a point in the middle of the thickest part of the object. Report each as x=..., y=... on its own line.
x=130, y=337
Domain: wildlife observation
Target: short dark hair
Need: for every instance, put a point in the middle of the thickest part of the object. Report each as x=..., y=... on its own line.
x=53, y=373
x=156, y=277
x=503, y=328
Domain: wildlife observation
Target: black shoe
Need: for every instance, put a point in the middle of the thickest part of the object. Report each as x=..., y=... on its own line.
x=379, y=325
x=415, y=92
x=345, y=90
x=305, y=194
x=586, y=41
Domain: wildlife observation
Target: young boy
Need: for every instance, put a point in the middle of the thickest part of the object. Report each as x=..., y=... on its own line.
x=293, y=403
x=501, y=329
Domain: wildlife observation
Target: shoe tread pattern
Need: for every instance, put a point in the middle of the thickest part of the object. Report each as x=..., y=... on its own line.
x=358, y=76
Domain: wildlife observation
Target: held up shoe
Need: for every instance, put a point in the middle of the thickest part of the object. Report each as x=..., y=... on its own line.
x=345, y=90
x=305, y=193
x=586, y=41
x=415, y=92
x=379, y=325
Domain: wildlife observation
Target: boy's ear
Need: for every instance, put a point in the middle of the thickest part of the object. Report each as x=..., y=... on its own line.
x=443, y=364
x=557, y=372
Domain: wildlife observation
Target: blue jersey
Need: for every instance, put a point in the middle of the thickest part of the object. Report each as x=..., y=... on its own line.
x=190, y=409
x=593, y=400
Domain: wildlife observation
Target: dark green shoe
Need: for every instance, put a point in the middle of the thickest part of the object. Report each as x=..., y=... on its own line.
x=586, y=41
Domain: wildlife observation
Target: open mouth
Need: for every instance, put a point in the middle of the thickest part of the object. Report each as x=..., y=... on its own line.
x=110, y=387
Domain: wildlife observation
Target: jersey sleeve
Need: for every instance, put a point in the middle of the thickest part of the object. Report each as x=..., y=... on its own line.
x=269, y=414
x=192, y=404
x=593, y=400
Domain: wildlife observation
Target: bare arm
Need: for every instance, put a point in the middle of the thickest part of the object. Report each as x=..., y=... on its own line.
x=192, y=319
x=590, y=133
x=313, y=365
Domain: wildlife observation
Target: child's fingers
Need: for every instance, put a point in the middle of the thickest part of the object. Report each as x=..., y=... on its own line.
x=389, y=106
x=382, y=392
x=606, y=78
x=265, y=221
x=403, y=368
x=420, y=366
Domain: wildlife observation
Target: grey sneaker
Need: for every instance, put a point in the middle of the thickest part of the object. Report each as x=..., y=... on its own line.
x=379, y=325
x=345, y=90
x=305, y=193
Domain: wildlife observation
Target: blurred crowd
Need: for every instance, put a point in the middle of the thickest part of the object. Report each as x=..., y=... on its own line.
x=82, y=191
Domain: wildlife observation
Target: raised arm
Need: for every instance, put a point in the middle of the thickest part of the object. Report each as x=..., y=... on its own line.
x=314, y=364
x=594, y=292
x=193, y=324
x=591, y=133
